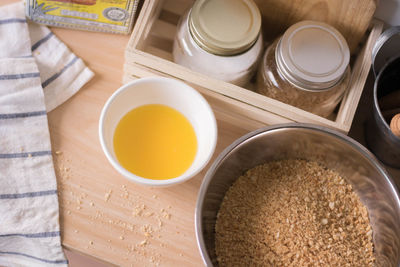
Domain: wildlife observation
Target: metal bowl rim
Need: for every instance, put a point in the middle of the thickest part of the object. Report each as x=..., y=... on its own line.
x=324, y=130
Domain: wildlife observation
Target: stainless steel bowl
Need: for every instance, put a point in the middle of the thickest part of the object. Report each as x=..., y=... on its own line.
x=335, y=150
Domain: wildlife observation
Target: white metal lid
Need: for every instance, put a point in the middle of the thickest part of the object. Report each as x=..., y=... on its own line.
x=312, y=55
x=225, y=27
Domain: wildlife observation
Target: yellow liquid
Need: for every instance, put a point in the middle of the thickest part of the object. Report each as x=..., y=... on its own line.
x=155, y=141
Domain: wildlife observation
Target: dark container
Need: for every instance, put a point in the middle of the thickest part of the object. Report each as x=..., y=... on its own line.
x=386, y=65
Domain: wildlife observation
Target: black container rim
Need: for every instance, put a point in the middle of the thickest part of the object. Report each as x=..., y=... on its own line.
x=385, y=48
x=393, y=137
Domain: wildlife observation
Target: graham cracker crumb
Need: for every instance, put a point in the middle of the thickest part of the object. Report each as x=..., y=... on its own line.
x=138, y=210
x=298, y=213
x=107, y=195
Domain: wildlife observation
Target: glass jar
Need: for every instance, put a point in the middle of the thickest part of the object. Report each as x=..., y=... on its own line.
x=308, y=67
x=209, y=42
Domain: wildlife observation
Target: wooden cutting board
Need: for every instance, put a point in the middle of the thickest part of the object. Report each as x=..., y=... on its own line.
x=103, y=214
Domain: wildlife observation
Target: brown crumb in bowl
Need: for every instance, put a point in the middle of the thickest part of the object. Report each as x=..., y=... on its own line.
x=293, y=213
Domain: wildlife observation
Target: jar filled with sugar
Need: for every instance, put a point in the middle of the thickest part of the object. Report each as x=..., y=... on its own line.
x=220, y=38
x=308, y=67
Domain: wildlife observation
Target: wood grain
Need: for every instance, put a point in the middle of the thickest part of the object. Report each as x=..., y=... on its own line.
x=351, y=18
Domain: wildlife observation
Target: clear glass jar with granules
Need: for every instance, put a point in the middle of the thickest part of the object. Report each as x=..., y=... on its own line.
x=220, y=38
x=308, y=67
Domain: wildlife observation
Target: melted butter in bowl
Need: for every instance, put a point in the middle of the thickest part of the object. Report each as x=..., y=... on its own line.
x=155, y=141
x=157, y=131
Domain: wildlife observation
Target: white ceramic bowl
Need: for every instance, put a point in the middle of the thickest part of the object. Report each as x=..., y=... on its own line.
x=169, y=92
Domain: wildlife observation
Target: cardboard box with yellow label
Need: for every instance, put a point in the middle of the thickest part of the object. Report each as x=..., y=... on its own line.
x=94, y=15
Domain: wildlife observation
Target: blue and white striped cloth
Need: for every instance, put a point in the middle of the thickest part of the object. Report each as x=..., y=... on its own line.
x=37, y=73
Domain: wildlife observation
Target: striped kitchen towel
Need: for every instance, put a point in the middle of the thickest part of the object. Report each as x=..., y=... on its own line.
x=37, y=73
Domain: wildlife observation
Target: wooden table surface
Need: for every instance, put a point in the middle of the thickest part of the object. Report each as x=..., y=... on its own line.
x=101, y=213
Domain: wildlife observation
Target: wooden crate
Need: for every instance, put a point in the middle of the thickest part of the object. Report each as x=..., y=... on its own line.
x=149, y=53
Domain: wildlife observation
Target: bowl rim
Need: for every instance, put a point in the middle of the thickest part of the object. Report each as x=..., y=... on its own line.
x=211, y=171
x=151, y=182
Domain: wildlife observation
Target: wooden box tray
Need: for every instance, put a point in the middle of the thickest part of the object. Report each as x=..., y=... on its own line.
x=149, y=53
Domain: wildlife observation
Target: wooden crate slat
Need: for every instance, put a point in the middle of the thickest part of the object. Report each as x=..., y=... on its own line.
x=229, y=90
x=159, y=53
x=252, y=111
x=177, y=6
x=164, y=30
x=147, y=16
x=159, y=43
x=360, y=73
x=236, y=111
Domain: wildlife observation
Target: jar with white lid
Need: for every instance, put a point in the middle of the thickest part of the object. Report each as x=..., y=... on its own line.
x=220, y=38
x=308, y=67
